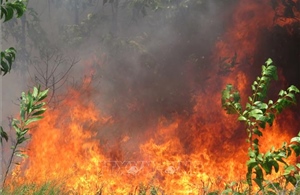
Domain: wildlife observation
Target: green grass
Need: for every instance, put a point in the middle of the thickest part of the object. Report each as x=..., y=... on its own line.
x=231, y=189
x=33, y=189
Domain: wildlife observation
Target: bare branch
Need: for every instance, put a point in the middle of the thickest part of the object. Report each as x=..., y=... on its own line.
x=52, y=73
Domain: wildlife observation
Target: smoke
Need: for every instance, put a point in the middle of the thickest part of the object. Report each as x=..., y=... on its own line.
x=147, y=65
x=166, y=58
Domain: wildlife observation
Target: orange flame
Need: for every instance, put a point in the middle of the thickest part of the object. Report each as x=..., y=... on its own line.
x=178, y=155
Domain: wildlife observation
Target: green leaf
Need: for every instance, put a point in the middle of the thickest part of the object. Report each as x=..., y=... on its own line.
x=255, y=113
x=236, y=96
x=268, y=155
x=296, y=139
x=251, y=163
x=30, y=102
x=282, y=93
x=7, y=57
x=226, y=92
x=35, y=92
x=281, y=154
x=3, y=134
x=21, y=155
x=20, y=9
x=272, y=72
x=4, y=67
x=20, y=140
x=251, y=154
x=250, y=99
x=296, y=148
x=269, y=61
x=38, y=106
x=262, y=124
x=267, y=166
x=263, y=106
x=33, y=120
x=43, y=95
x=291, y=179
x=238, y=106
x=270, y=118
x=289, y=169
x=242, y=118
x=275, y=165
x=40, y=112
x=256, y=131
x=294, y=89
x=259, y=177
x=8, y=9
x=292, y=96
x=262, y=118
x=260, y=157
x=21, y=133
x=8, y=14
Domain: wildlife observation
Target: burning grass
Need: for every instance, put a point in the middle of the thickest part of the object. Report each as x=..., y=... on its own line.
x=85, y=149
x=54, y=188
x=177, y=155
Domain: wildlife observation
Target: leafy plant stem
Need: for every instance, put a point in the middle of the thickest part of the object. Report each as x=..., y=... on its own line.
x=256, y=115
x=10, y=162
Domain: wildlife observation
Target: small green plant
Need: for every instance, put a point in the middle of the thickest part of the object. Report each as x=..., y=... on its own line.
x=31, y=105
x=31, y=109
x=256, y=115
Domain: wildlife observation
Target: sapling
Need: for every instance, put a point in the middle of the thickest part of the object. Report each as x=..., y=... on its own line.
x=31, y=109
x=256, y=115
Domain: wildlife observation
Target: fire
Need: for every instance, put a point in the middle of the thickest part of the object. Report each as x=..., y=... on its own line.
x=248, y=19
x=178, y=154
x=60, y=143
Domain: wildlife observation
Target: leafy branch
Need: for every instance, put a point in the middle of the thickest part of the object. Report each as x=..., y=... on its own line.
x=256, y=115
x=7, y=58
x=31, y=105
x=32, y=108
x=8, y=10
